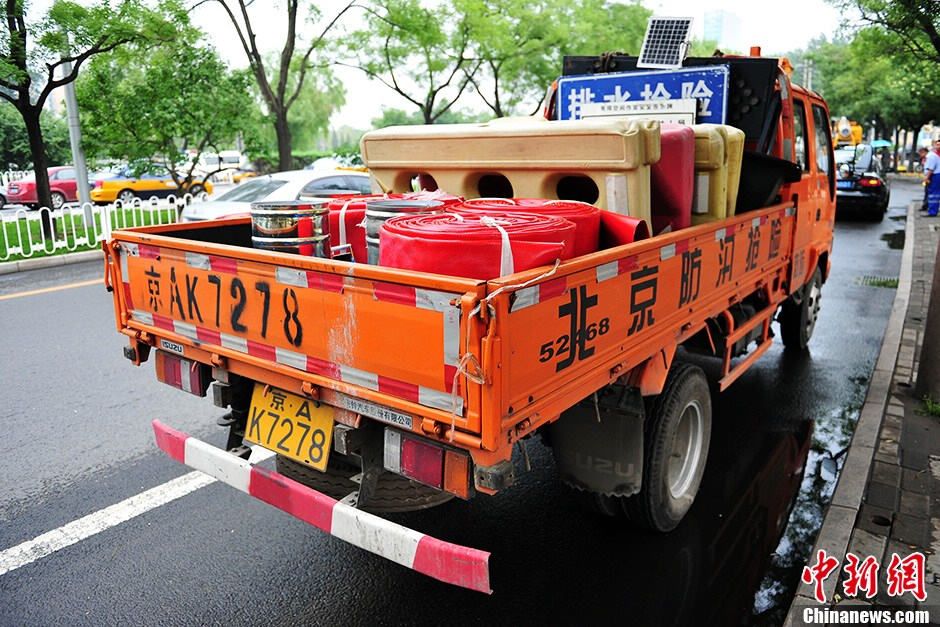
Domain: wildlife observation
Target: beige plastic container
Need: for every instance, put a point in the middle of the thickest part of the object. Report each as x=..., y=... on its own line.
x=719, y=150
x=603, y=162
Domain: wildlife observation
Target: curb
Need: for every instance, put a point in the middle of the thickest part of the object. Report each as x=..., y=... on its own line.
x=838, y=524
x=9, y=267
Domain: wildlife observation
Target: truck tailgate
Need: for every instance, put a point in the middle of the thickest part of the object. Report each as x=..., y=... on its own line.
x=375, y=333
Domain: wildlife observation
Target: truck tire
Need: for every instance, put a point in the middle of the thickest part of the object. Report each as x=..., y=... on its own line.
x=797, y=321
x=676, y=438
x=393, y=493
x=676, y=435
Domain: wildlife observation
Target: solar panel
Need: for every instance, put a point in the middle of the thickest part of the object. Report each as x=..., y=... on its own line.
x=667, y=39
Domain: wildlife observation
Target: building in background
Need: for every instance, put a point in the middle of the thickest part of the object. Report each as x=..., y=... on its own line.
x=725, y=28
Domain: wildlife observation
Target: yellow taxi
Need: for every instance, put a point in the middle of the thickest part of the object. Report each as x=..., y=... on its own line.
x=125, y=186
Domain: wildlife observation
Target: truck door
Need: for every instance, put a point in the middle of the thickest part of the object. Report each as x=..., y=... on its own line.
x=824, y=216
x=807, y=189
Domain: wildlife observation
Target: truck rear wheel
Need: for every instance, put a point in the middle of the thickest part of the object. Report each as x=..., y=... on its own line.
x=797, y=321
x=676, y=437
x=676, y=434
x=393, y=493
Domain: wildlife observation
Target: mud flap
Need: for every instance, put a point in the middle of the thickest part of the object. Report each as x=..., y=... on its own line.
x=598, y=443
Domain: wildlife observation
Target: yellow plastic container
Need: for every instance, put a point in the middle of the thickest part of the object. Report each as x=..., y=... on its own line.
x=719, y=150
x=603, y=162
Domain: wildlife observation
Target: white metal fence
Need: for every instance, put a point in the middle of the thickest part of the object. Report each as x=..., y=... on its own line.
x=80, y=227
x=7, y=176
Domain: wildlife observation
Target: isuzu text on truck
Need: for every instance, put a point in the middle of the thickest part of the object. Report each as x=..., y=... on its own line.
x=387, y=389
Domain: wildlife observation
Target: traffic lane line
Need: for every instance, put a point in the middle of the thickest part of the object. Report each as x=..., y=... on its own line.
x=52, y=289
x=83, y=528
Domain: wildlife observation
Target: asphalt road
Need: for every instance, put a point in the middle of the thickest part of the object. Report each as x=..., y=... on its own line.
x=76, y=425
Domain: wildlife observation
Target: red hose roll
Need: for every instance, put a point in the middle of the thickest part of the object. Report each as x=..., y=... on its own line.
x=618, y=229
x=474, y=246
x=585, y=217
x=353, y=210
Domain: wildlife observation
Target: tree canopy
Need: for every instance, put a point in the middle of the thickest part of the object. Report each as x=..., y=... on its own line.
x=283, y=84
x=173, y=104
x=36, y=58
x=419, y=52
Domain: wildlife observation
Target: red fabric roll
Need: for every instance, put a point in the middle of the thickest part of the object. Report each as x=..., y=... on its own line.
x=618, y=229
x=585, y=217
x=471, y=245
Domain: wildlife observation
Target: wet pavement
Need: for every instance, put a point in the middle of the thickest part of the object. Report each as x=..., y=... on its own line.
x=82, y=442
x=887, y=504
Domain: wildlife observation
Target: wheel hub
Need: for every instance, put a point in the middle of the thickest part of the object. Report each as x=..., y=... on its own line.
x=686, y=450
x=812, y=307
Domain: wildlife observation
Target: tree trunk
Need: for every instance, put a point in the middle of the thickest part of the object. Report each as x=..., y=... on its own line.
x=37, y=147
x=285, y=160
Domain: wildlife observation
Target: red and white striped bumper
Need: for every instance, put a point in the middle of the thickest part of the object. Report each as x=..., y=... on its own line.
x=450, y=563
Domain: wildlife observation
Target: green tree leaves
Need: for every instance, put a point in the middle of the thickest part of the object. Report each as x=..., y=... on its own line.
x=168, y=102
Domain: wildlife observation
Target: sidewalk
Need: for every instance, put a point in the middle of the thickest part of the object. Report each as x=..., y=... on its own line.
x=888, y=497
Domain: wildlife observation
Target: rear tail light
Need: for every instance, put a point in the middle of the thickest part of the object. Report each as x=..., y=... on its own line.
x=99, y=184
x=427, y=462
x=183, y=374
x=869, y=181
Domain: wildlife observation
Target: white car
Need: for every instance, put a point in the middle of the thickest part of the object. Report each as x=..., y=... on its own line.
x=291, y=185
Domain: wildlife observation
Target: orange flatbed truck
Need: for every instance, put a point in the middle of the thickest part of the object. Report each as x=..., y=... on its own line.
x=387, y=390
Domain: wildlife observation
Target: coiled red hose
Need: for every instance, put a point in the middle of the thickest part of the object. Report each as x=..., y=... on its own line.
x=585, y=217
x=473, y=245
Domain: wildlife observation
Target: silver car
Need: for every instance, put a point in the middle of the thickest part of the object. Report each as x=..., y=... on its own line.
x=290, y=185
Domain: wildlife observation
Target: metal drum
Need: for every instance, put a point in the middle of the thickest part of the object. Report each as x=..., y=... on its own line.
x=292, y=226
x=378, y=211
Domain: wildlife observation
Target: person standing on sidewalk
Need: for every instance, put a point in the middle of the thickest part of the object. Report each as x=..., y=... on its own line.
x=932, y=179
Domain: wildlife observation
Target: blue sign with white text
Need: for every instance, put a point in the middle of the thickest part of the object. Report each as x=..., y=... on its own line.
x=708, y=85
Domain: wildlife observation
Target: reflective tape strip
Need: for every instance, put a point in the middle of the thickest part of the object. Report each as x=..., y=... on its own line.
x=617, y=198
x=186, y=330
x=195, y=260
x=434, y=300
x=667, y=252
x=790, y=211
x=755, y=223
x=124, y=271
x=234, y=343
x=186, y=382
x=451, y=563
x=148, y=252
x=359, y=377
x=719, y=235
x=290, y=358
x=438, y=399
x=451, y=337
x=131, y=249
x=607, y=271
x=142, y=316
x=526, y=297
x=700, y=195
x=290, y=276
x=223, y=264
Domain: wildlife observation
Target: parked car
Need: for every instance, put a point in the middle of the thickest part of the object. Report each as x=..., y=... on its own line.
x=291, y=185
x=126, y=186
x=62, y=186
x=861, y=182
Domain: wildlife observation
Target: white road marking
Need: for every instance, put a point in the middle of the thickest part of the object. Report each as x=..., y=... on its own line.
x=102, y=520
